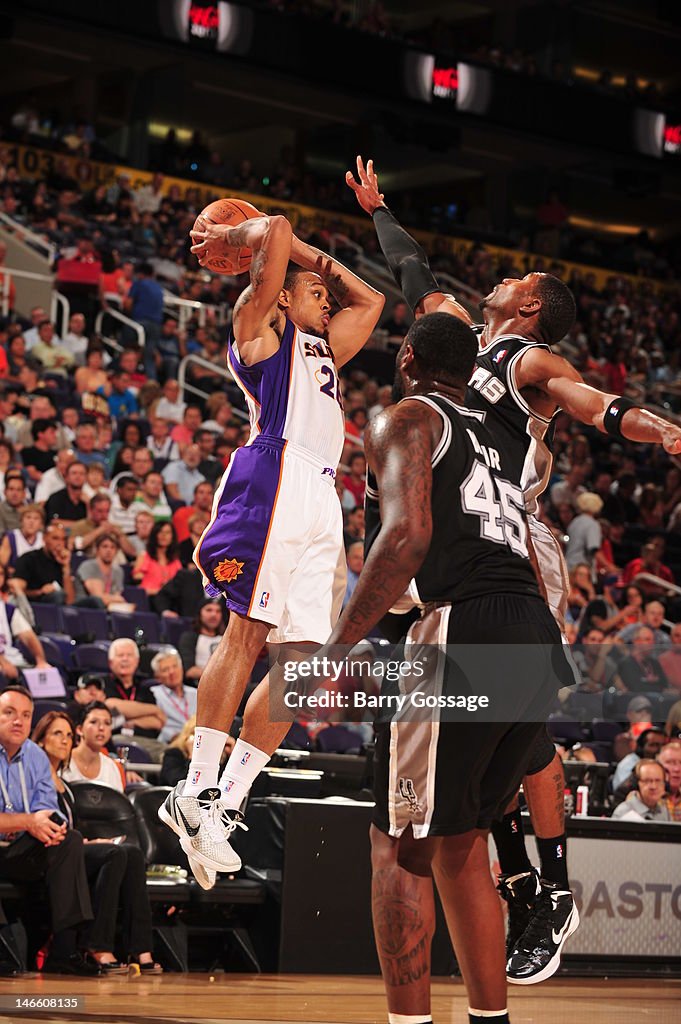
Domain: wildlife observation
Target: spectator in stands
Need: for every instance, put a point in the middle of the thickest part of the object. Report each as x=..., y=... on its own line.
x=354, y=527
x=641, y=671
x=670, y=759
x=40, y=456
x=89, y=687
x=120, y=399
x=100, y=578
x=355, y=561
x=68, y=505
x=673, y=724
x=648, y=744
x=183, y=433
x=584, y=534
x=649, y=562
x=15, y=626
x=49, y=350
x=53, y=479
x=177, y=756
x=40, y=408
x=160, y=562
x=15, y=498
x=670, y=660
x=354, y=480
x=176, y=700
x=75, y=340
x=122, y=512
x=651, y=508
x=46, y=850
x=209, y=466
x=144, y=524
x=91, y=376
x=581, y=592
x=398, y=322
x=85, y=447
x=45, y=576
x=197, y=524
x=198, y=643
x=620, y=506
x=31, y=337
x=151, y=497
x=170, y=406
x=8, y=461
x=653, y=618
x=144, y=304
x=568, y=490
x=200, y=508
x=85, y=532
x=646, y=802
x=116, y=873
x=170, y=348
x=596, y=665
x=181, y=477
x=160, y=443
x=88, y=761
x=27, y=537
x=124, y=695
x=182, y=596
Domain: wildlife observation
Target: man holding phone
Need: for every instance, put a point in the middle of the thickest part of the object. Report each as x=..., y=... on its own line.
x=35, y=841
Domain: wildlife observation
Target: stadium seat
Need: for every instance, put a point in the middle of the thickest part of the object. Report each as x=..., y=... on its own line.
x=338, y=740
x=103, y=812
x=144, y=624
x=138, y=597
x=604, y=731
x=92, y=656
x=47, y=618
x=53, y=653
x=42, y=707
x=565, y=729
x=173, y=628
x=159, y=844
x=296, y=738
x=65, y=643
x=90, y=622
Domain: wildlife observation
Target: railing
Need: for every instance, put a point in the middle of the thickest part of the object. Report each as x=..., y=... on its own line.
x=59, y=300
x=117, y=315
x=24, y=234
x=8, y=273
x=187, y=308
x=219, y=371
x=649, y=577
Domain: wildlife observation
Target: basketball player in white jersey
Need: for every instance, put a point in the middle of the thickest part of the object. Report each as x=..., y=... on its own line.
x=520, y=384
x=276, y=532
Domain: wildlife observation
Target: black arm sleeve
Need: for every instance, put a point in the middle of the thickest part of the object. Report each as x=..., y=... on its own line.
x=407, y=261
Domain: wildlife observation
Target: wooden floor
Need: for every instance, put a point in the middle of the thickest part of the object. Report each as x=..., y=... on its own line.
x=306, y=999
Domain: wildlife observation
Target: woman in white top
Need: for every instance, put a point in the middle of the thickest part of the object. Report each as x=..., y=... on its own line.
x=88, y=762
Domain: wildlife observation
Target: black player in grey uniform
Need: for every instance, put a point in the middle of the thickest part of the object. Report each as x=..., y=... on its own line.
x=521, y=384
x=452, y=527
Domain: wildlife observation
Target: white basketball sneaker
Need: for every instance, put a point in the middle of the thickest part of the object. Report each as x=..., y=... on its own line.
x=206, y=825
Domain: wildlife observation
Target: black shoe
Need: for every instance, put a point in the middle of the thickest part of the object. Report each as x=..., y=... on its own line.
x=537, y=954
x=521, y=892
x=74, y=964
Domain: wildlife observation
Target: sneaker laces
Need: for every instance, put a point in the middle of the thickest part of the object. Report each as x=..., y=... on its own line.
x=536, y=931
x=218, y=820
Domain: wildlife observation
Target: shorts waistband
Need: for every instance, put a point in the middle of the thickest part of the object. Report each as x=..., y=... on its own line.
x=298, y=452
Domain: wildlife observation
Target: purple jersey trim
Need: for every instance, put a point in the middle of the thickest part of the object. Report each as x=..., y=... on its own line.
x=269, y=382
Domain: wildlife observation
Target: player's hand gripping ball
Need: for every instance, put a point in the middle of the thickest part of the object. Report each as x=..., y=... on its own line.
x=210, y=248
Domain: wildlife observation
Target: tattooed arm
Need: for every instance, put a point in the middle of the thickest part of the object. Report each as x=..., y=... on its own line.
x=361, y=305
x=255, y=312
x=399, y=445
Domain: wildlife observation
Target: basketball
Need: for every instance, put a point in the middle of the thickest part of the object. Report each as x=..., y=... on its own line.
x=232, y=212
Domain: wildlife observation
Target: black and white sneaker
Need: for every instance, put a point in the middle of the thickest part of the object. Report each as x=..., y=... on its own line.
x=536, y=955
x=204, y=826
x=520, y=893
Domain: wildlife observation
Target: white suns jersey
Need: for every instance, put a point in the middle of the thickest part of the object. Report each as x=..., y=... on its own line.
x=294, y=395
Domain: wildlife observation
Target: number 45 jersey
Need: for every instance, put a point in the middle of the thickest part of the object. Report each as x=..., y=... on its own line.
x=479, y=540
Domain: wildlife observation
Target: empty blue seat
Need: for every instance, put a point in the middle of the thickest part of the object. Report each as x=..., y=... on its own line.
x=173, y=628
x=83, y=621
x=138, y=626
x=138, y=597
x=92, y=656
x=47, y=618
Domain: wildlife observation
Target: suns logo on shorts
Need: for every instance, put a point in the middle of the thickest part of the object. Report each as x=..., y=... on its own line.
x=227, y=570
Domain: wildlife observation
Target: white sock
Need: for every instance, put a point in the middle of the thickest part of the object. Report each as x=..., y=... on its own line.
x=487, y=1013
x=205, y=762
x=409, y=1018
x=242, y=769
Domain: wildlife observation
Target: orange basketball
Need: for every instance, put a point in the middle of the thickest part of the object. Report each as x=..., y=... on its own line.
x=232, y=212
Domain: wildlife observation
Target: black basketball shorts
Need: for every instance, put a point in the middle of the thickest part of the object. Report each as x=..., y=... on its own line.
x=444, y=777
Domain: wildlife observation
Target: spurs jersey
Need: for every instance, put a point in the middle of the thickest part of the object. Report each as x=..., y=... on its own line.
x=479, y=540
x=522, y=435
x=294, y=395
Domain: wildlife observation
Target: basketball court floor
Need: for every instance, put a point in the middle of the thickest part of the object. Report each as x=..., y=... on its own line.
x=319, y=999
